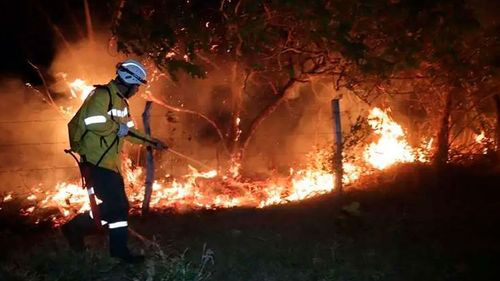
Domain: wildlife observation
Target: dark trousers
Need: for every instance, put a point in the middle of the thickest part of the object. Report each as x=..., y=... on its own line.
x=109, y=188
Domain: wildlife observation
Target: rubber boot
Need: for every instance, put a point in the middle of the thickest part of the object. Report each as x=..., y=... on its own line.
x=118, y=246
x=76, y=229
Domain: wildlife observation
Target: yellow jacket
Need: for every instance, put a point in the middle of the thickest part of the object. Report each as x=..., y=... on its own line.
x=101, y=123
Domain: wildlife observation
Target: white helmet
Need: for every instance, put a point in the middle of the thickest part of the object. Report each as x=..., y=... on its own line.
x=131, y=72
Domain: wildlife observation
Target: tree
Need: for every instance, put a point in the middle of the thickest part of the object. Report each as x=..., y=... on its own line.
x=275, y=45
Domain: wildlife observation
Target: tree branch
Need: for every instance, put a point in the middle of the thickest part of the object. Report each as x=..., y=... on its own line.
x=202, y=116
x=47, y=92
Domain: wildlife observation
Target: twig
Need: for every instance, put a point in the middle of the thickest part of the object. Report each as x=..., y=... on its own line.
x=221, y=8
x=236, y=9
x=47, y=92
x=176, y=109
x=207, y=60
x=141, y=237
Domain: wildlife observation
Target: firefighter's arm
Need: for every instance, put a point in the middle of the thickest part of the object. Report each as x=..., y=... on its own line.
x=138, y=137
x=135, y=136
x=97, y=119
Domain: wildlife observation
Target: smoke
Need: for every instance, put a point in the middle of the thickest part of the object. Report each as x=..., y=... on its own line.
x=32, y=141
x=298, y=126
x=34, y=133
x=88, y=60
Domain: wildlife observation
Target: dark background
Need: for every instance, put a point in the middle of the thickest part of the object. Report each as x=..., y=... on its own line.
x=28, y=33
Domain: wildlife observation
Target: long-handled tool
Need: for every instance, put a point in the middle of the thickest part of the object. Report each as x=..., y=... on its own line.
x=150, y=170
x=172, y=151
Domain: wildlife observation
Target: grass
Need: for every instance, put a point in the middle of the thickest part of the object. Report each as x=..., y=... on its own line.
x=412, y=223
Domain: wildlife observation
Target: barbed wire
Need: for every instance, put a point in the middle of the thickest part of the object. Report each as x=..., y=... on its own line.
x=57, y=120
x=204, y=159
x=133, y=115
x=32, y=144
x=38, y=169
x=31, y=121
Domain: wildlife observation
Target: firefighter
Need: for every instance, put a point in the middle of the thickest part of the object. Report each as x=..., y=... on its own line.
x=105, y=117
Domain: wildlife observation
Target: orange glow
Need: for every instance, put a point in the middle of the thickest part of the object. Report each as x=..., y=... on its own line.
x=391, y=147
x=224, y=189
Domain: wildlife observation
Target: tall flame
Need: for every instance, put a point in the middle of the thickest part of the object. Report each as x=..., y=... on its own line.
x=392, y=146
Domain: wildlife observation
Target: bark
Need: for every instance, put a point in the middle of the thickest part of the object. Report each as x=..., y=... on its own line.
x=88, y=21
x=202, y=116
x=264, y=115
x=441, y=156
x=146, y=116
x=497, y=105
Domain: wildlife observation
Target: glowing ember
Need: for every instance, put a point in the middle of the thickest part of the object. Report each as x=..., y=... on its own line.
x=482, y=140
x=68, y=198
x=479, y=138
x=8, y=197
x=351, y=173
x=238, y=132
x=391, y=147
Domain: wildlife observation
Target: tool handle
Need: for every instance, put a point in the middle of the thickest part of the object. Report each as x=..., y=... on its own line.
x=141, y=138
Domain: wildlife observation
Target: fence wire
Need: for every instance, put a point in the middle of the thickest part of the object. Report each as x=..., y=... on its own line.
x=9, y=147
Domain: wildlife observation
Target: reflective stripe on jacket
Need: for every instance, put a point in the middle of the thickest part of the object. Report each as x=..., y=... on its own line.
x=102, y=125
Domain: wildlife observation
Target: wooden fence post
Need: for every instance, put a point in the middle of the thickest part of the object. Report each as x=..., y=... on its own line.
x=150, y=170
x=337, y=158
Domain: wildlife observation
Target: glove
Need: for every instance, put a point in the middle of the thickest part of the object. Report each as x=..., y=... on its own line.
x=122, y=130
x=158, y=144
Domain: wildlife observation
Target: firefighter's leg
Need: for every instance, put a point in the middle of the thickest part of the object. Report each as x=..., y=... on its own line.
x=118, y=225
x=114, y=210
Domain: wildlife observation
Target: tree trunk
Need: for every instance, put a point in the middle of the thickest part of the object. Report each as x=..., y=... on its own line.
x=237, y=89
x=497, y=105
x=88, y=21
x=441, y=156
x=263, y=116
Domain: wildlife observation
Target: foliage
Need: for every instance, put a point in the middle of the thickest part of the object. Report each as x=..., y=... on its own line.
x=54, y=261
x=378, y=49
x=163, y=267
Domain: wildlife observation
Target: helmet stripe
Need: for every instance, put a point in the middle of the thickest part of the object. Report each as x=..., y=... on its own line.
x=138, y=66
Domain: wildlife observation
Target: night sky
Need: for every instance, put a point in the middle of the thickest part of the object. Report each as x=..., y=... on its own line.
x=28, y=34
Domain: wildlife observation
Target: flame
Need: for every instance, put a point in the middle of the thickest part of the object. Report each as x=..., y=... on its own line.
x=392, y=146
x=238, y=131
x=80, y=88
x=209, y=189
x=483, y=141
x=479, y=138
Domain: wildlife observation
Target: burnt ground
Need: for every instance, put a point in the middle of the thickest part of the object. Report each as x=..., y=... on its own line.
x=411, y=223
